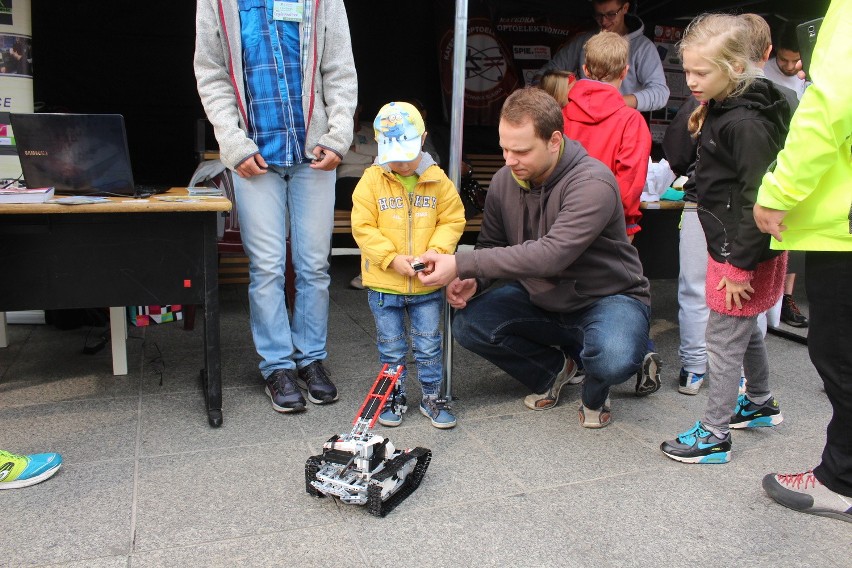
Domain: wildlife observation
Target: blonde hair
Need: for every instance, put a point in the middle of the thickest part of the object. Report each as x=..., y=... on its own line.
x=726, y=38
x=760, y=35
x=557, y=83
x=606, y=56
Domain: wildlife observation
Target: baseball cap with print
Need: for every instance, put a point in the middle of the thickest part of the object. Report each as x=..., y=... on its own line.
x=399, y=129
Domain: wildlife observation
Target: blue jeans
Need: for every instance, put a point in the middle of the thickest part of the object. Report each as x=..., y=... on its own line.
x=529, y=343
x=303, y=200
x=424, y=316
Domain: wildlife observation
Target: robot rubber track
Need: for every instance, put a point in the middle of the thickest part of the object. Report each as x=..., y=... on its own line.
x=362, y=468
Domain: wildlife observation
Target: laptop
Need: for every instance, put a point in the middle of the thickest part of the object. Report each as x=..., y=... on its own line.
x=77, y=154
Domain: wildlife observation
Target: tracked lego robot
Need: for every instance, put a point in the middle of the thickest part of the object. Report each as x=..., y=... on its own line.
x=362, y=468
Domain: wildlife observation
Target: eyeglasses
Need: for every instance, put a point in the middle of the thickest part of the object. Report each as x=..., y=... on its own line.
x=609, y=16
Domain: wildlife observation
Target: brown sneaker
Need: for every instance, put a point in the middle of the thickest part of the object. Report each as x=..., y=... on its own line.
x=549, y=398
x=599, y=418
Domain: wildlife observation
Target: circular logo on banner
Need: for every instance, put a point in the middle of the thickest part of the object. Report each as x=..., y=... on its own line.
x=489, y=75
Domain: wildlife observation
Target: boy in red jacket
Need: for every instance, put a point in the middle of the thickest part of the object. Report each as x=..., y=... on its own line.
x=608, y=129
x=617, y=135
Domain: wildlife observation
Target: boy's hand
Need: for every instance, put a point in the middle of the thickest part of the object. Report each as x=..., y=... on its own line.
x=402, y=264
x=735, y=292
x=252, y=166
x=324, y=160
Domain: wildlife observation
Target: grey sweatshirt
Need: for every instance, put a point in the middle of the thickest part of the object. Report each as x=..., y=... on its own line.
x=329, y=81
x=645, y=77
x=565, y=241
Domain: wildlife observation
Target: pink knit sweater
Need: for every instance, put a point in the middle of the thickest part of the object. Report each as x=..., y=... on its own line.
x=767, y=281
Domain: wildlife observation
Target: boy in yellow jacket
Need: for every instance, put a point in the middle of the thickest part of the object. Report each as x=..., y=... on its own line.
x=403, y=206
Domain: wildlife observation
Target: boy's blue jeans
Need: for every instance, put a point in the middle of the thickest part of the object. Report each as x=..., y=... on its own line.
x=529, y=343
x=424, y=315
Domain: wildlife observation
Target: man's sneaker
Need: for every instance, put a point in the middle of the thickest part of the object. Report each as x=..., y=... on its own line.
x=804, y=493
x=648, y=378
x=438, y=411
x=394, y=408
x=315, y=381
x=599, y=418
x=689, y=382
x=22, y=471
x=698, y=445
x=750, y=415
x=281, y=388
x=550, y=396
x=790, y=313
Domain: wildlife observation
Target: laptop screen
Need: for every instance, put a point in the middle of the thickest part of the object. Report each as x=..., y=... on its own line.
x=78, y=154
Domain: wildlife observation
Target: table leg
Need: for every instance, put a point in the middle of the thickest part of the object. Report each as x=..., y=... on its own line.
x=4, y=335
x=118, y=339
x=211, y=375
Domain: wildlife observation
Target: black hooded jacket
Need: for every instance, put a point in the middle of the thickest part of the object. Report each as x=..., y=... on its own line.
x=739, y=140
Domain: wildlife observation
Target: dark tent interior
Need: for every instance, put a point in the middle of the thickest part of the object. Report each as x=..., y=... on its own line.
x=135, y=58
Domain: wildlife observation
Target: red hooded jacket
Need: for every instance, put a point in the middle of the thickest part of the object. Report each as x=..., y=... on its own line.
x=615, y=134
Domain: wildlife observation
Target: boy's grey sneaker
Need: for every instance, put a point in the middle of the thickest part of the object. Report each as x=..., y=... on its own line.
x=438, y=411
x=747, y=414
x=315, y=381
x=282, y=390
x=689, y=382
x=549, y=398
x=395, y=407
x=648, y=378
x=803, y=492
x=590, y=418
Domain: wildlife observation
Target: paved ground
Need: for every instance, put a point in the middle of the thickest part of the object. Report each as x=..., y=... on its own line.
x=146, y=481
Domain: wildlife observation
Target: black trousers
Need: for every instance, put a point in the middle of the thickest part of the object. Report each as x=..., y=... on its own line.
x=828, y=278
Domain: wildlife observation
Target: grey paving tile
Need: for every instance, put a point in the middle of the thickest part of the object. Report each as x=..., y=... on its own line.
x=51, y=367
x=82, y=431
x=82, y=512
x=177, y=423
x=102, y=562
x=308, y=547
x=225, y=494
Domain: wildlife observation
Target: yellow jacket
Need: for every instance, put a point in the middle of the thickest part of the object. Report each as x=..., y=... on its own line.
x=388, y=221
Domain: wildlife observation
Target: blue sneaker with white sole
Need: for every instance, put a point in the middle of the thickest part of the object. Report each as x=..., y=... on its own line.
x=698, y=445
x=438, y=411
x=747, y=414
x=395, y=407
x=22, y=471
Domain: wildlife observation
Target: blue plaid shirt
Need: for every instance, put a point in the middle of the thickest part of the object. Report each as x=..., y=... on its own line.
x=272, y=64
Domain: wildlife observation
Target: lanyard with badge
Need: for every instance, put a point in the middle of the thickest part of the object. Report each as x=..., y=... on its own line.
x=288, y=11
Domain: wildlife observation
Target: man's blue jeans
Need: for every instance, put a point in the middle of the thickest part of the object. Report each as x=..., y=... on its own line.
x=302, y=199
x=424, y=316
x=527, y=342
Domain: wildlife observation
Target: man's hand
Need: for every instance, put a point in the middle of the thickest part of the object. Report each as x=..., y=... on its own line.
x=735, y=292
x=324, y=160
x=440, y=268
x=252, y=166
x=631, y=101
x=458, y=292
x=770, y=220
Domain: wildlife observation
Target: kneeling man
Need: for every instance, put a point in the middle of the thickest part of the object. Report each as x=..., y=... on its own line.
x=554, y=228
